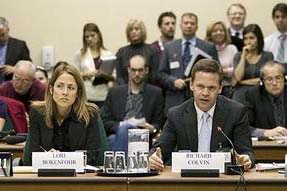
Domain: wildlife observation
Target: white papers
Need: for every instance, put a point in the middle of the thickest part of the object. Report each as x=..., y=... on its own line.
x=195, y=57
x=269, y=166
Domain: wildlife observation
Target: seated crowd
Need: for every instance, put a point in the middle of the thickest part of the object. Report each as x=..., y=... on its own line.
x=238, y=83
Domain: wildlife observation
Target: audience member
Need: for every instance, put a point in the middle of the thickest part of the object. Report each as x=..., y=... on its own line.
x=266, y=103
x=136, y=36
x=41, y=75
x=11, y=51
x=248, y=62
x=3, y=114
x=89, y=60
x=277, y=41
x=23, y=87
x=193, y=124
x=176, y=57
x=166, y=23
x=217, y=33
x=134, y=105
x=65, y=121
x=236, y=14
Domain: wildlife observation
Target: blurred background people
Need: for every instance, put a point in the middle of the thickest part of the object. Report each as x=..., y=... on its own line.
x=247, y=63
x=218, y=34
x=11, y=51
x=41, y=75
x=90, y=60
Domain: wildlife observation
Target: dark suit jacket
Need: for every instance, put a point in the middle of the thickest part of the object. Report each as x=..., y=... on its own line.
x=16, y=50
x=173, y=53
x=238, y=42
x=90, y=137
x=260, y=109
x=181, y=128
x=113, y=110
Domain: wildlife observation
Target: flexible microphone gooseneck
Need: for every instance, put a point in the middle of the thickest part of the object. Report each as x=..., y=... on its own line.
x=234, y=168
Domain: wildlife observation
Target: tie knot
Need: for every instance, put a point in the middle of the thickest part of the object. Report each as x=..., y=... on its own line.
x=237, y=34
x=205, y=116
x=187, y=43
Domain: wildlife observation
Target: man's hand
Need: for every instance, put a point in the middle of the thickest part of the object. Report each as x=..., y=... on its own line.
x=7, y=69
x=276, y=132
x=244, y=160
x=155, y=160
x=179, y=84
x=148, y=126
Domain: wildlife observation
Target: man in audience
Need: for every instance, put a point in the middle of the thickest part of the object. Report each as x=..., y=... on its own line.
x=166, y=23
x=176, y=58
x=11, y=51
x=267, y=103
x=277, y=41
x=236, y=14
x=194, y=124
x=23, y=87
x=135, y=105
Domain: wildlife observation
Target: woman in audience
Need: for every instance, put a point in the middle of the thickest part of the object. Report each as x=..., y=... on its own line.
x=41, y=75
x=248, y=62
x=136, y=36
x=90, y=60
x=65, y=121
x=217, y=33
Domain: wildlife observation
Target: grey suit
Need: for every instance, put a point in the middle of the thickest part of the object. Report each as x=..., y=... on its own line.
x=168, y=74
x=181, y=128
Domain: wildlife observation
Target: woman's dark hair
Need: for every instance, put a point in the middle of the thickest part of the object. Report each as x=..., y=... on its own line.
x=256, y=30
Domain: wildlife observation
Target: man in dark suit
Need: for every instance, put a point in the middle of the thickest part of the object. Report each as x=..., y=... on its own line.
x=135, y=105
x=11, y=51
x=176, y=57
x=236, y=14
x=267, y=103
x=194, y=124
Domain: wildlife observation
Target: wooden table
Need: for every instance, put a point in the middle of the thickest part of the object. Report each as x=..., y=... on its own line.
x=167, y=181
x=269, y=151
x=17, y=149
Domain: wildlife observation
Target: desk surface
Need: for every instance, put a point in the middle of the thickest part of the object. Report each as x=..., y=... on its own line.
x=17, y=149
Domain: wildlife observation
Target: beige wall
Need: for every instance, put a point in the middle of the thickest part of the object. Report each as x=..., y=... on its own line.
x=59, y=23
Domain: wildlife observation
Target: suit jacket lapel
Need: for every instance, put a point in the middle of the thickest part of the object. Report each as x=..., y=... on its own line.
x=122, y=97
x=270, y=114
x=220, y=114
x=8, y=53
x=146, y=98
x=190, y=118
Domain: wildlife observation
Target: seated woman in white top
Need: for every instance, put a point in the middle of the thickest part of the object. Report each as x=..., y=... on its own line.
x=91, y=60
x=217, y=33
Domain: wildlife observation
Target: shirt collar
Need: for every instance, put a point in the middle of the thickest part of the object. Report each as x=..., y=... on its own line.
x=192, y=41
x=130, y=90
x=233, y=31
x=200, y=112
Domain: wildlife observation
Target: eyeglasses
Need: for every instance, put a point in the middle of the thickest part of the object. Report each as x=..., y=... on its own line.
x=236, y=13
x=63, y=87
x=271, y=79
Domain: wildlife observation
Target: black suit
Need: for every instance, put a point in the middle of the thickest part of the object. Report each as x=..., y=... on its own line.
x=181, y=128
x=238, y=42
x=113, y=110
x=16, y=50
x=260, y=109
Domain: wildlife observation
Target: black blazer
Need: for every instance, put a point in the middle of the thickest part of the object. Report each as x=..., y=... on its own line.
x=16, y=50
x=238, y=42
x=260, y=109
x=181, y=128
x=81, y=137
x=113, y=110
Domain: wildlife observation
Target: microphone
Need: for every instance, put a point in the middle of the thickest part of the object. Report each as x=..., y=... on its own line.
x=233, y=168
x=12, y=140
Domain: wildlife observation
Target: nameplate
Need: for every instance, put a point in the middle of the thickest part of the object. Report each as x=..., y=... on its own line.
x=192, y=160
x=58, y=160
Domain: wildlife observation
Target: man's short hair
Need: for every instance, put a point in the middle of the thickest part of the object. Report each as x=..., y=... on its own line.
x=207, y=65
x=272, y=63
x=282, y=7
x=141, y=56
x=189, y=14
x=165, y=14
x=3, y=22
x=236, y=5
